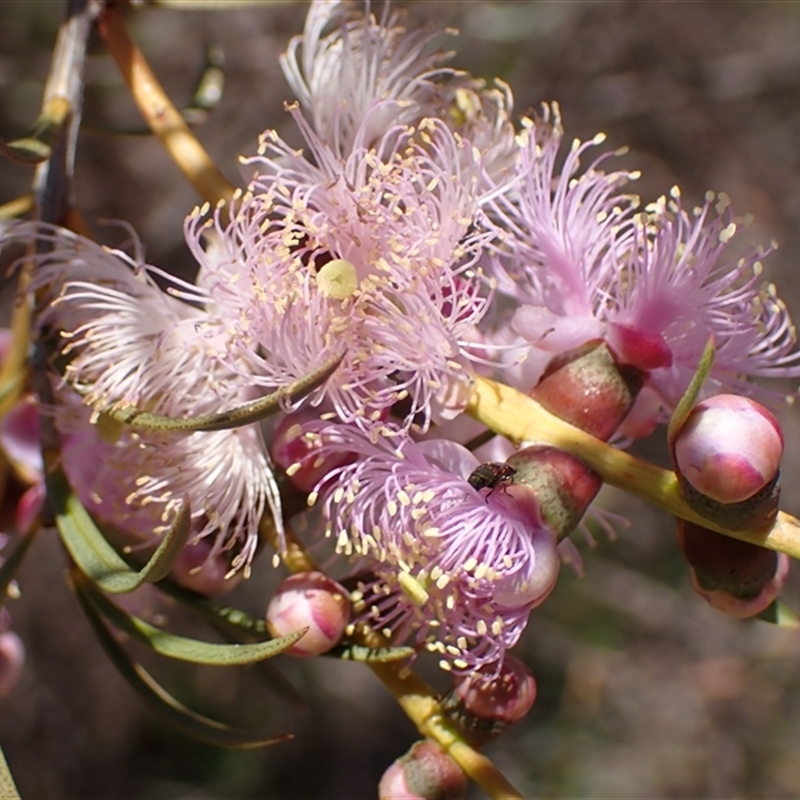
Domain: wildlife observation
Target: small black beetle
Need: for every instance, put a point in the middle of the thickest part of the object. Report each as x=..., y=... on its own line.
x=491, y=475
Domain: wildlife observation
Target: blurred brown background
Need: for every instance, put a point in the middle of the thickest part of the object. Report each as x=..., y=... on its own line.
x=644, y=691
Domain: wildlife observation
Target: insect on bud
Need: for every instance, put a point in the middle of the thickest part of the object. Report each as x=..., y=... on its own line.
x=728, y=455
x=589, y=390
x=309, y=600
x=482, y=707
x=425, y=772
x=738, y=578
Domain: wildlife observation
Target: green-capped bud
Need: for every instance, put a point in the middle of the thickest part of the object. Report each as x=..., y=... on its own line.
x=425, y=772
x=738, y=578
x=309, y=600
x=588, y=389
x=727, y=455
x=562, y=483
x=483, y=706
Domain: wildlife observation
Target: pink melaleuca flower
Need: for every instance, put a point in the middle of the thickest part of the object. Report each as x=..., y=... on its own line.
x=456, y=567
x=357, y=77
x=559, y=227
x=372, y=258
x=654, y=285
x=676, y=288
x=126, y=343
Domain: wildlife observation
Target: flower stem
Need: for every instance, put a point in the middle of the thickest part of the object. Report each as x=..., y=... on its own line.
x=419, y=700
x=160, y=114
x=520, y=418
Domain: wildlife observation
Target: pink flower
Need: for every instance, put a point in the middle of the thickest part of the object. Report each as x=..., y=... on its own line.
x=357, y=78
x=373, y=257
x=460, y=567
x=655, y=285
x=127, y=343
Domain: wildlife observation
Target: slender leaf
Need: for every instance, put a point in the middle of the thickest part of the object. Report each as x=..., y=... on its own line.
x=687, y=402
x=38, y=146
x=233, y=417
x=180, y=647
x=371, y=655
x=8, y=789
x=96, y=557
x=778, y=613
x=163, y=704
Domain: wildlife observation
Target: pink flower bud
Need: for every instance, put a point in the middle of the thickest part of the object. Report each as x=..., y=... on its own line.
x=12, y=659
x=293, y=450
x=426, y=772
x=589, y=390
x=738, y=578
x=309, y=600
x=482, y=707
x=729, y=448
x=196, y=569
x=563, y=485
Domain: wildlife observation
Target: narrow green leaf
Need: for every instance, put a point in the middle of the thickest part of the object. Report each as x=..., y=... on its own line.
x=8, y=789
x=180, y=647
x=227, y=619
x=163, y=704
x=38, y=145
x=12, y=562
x=778, y=613
x=687, y=402
x=371, y=655
x=96, y=557
x=233, y=417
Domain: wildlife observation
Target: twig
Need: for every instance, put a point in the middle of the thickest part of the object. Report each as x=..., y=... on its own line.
x=160, y=114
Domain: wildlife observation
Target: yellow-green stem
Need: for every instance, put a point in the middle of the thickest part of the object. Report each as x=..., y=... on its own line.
x=520, y=418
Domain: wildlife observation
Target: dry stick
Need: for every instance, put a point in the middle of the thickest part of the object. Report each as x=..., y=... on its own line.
x=519, y=417
x=160, y=114
x=418, y=700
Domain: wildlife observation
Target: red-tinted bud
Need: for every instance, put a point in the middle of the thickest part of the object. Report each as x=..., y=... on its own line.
x=482, y=707
x=294, y=451
x=12, y=659
x=727, y=455
x=309, y=600
x=563, y=485
x=736, y=577
x=194, y=569
x=425, y=772
x=589, y=390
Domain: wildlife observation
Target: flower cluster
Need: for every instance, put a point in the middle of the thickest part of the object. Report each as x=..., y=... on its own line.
x=418, y=239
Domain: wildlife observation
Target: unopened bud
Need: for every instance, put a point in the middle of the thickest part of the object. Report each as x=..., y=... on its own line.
x=588, y=389
x=309, y=600
x=12, y=659
x=196, y=569
x=738, y=578
x=425, y=772
x=297, y=453
x=482, y=707
x=728, y=455
x=563, y=485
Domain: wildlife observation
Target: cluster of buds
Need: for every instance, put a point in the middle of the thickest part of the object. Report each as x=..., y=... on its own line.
x=727, y=456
